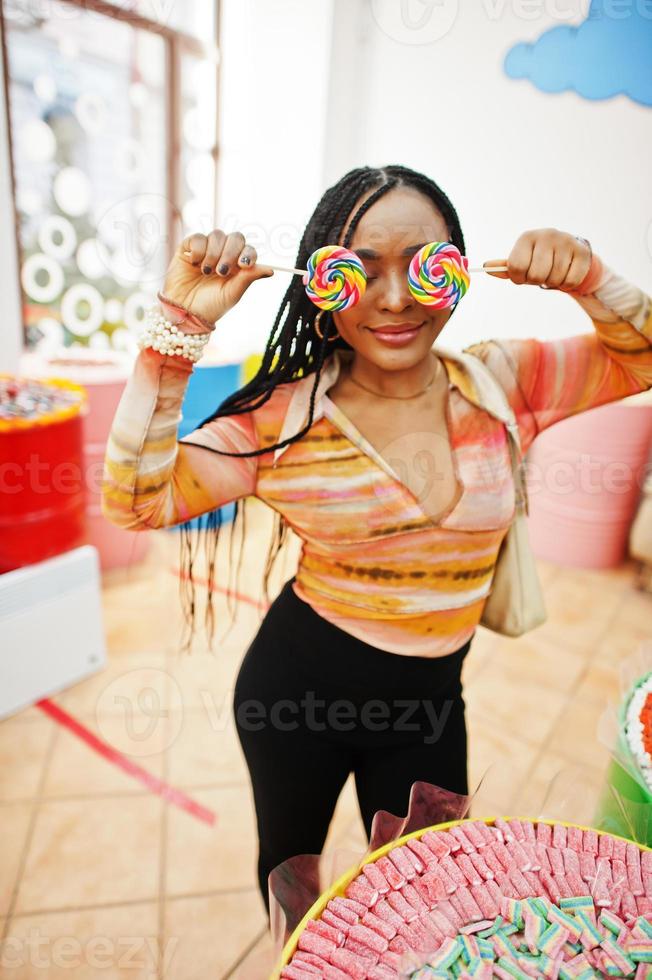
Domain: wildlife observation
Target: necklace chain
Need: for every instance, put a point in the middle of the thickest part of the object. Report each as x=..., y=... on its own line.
x=400, y=397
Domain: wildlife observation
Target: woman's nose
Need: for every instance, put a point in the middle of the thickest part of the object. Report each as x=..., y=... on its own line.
x=395, y=295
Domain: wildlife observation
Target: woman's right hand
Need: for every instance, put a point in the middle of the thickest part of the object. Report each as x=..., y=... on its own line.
x=208, y=274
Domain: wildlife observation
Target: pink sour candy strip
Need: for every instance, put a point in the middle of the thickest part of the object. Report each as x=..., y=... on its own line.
x=447, y=909
x=466, y=846
x=352, y=904
x=559, y=836
x=373, y=940
x=533, y=880
x=587, y=865
x=516, y=827
x=385, y=912
x=407, y=933
x=574, y=837
x=376, y=878
x=502, y=855
x=384, y=929
x=470, y=908
x=350, y=964
x=321, y=928
x=606, y=846
x=361, y=950
x=534, y=864
x=435, y=844
x=314, y=943
x=519, y=856
x=544, y=833
x=431, y=888
x=647, y=883
x=444, y=924
x=520, y=883
x=424, y=853
x=381, y=972
x=505, y=830
x=334, y=920
x=391, y=959
x=453, y=871
x=362, y=892
x=398, y=944
x=414, y=860
x=628, y=907
x=475, y=831
x=618, y=872
x=506, y=885
x=571, y=860
x=468, y=870
x=308, y=960
x=551, y=887
x=481, y=866
x=400, y=905
x=393, y=876
x=411, y=895
x=492, y=861
x=296, y=973
x=556, y=861
x=646, y=861
x=590, y=842
x=644, y=905
x=424, y=891
x=542, y=857
x=339, y=907
x=402, y=864
x=620, y=848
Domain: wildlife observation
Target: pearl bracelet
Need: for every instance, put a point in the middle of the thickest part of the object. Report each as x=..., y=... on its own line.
x=165, y=337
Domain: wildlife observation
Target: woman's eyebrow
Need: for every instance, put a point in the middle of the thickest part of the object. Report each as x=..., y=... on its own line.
x=368, y=253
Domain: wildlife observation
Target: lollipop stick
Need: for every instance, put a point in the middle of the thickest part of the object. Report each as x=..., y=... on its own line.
x=489, y=268
x=277, y=268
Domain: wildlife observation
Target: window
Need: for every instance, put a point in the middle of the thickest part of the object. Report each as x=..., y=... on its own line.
x=113, y=132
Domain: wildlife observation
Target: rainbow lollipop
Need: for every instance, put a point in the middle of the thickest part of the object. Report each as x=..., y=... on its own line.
x=439, y=275
x=336, y=278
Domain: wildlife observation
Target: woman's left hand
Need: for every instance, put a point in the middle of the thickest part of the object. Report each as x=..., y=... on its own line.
x=545, y=257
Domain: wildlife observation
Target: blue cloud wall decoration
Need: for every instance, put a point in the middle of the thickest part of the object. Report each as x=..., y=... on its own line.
x=609, y=54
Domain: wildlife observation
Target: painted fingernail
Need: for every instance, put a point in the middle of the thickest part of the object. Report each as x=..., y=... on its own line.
x=223, y=269
x=206, y=269
x=245, y=260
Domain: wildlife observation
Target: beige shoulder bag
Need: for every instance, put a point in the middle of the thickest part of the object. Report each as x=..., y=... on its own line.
x=515, y=603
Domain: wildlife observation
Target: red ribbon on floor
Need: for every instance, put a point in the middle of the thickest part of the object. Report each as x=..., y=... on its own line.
x=152, y=783
x=218, y=588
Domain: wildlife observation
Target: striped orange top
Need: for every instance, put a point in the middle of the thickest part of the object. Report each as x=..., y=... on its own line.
x=372, y=562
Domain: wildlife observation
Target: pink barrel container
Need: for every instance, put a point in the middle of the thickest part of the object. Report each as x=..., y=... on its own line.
x=104, y=375
x=584, y=482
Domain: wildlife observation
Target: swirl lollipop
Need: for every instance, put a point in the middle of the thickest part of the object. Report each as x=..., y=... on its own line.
x=336, y=278
x=439, y=275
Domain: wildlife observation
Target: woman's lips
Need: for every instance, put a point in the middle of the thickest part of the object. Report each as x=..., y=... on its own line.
x=397, y=336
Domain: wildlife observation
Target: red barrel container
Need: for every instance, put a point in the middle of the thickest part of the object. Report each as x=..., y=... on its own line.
x=42, y=487
x=103, y=375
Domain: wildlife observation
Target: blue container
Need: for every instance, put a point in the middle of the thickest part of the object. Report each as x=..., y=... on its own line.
x=209, y=385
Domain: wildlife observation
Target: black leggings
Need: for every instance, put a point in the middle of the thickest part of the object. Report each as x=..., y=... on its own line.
x=313, y=703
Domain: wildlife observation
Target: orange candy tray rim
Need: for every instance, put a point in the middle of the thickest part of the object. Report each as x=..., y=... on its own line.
x=48, y=418
x=338, y=887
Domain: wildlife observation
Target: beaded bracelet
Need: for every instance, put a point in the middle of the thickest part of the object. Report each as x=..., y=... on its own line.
x=162, y=335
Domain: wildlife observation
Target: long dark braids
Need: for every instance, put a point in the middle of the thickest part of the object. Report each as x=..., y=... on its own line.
x=295, y=350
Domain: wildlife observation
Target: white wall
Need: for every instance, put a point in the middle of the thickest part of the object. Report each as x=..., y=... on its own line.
x=275, y=58
x=509, y=156
x=11, y=323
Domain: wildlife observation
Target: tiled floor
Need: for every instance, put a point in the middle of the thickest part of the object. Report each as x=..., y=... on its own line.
x=101, y=878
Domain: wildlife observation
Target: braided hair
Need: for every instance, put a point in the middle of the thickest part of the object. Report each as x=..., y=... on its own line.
x=294, y=350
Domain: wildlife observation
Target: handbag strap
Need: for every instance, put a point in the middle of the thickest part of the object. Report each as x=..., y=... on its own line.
x=492, y=398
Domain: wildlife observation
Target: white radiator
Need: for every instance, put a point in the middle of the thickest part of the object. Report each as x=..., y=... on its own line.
x=51, y=633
